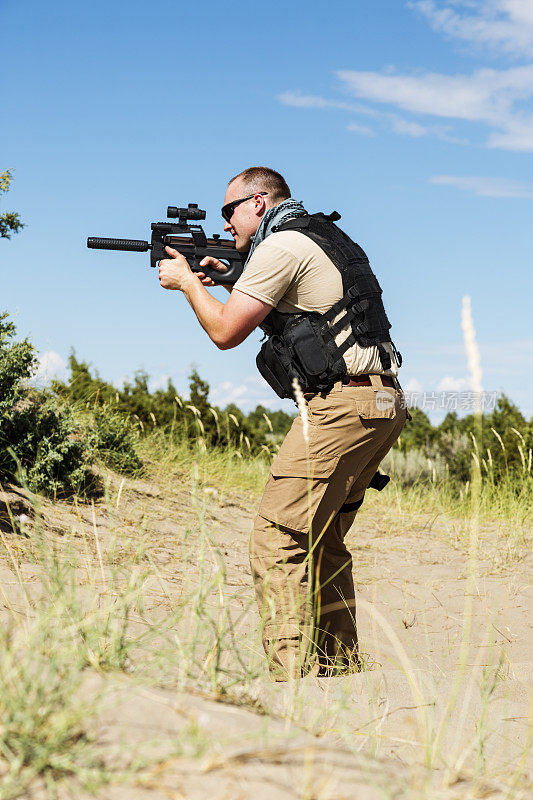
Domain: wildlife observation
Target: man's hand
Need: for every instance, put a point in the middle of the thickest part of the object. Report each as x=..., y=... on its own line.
x=209, y=261
x=175, y=272
x=227, y=325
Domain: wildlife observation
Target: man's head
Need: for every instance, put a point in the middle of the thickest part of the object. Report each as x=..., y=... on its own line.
x=263, y=188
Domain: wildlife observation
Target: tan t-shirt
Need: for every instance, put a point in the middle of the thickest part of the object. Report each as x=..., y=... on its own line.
x=289, y=271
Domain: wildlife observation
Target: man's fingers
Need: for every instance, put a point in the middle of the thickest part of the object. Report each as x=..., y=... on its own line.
x=210, y=261
x=205, y=281
x=171, y=251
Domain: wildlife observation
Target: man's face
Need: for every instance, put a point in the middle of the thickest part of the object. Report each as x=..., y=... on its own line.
x=246, y=217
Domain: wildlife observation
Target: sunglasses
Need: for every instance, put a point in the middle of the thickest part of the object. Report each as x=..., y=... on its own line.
x=229, y=208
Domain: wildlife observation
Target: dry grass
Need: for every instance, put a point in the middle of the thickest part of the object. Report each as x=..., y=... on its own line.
x=119, y=590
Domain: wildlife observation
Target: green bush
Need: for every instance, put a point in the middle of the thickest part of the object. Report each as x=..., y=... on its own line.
x=17, y=363
x=45, y=441
x=50, y=450
x=41, y=443
x=115, y=441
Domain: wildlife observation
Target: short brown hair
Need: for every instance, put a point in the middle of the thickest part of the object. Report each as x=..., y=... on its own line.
x=264, y=179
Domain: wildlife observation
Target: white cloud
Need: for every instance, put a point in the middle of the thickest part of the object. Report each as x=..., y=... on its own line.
x=413, y=385
x=239, y=393
x=504, y=25
x=499, y=99
x=408, y=128
x=362, y=129
x=485, y=187
x=253, y=391
x=159, y=383
x=299, y=99
x=51, y=365
x=228, y=392
x=518, y=135
x=488, y=96
x=451, y=384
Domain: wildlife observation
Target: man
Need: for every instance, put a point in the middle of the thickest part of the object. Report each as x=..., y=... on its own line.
x=312, y=291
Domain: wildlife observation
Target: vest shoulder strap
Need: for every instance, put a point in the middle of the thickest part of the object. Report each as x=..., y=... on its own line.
x=305, y=221
x=365, y=314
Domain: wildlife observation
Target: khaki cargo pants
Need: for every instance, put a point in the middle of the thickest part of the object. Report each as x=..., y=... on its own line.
x=301, y=567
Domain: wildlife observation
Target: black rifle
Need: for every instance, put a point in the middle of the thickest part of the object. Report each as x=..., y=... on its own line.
x=189, y=240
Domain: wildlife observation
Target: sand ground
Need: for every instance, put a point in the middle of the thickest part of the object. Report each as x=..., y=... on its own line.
x=441, y=709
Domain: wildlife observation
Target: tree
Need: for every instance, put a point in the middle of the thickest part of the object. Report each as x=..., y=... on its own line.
x=82, y=387
x=205, y=421
x=508, y=436
x=419, y=433
x=9, y=220
x=199, y=393
x=280, y=422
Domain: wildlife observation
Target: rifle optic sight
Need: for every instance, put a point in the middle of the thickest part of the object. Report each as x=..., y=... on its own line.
x=183, y=214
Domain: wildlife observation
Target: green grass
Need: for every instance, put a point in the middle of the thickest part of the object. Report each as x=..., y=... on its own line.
x=222, y=469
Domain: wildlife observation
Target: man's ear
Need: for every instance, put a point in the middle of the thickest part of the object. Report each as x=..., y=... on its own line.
x=259, y=205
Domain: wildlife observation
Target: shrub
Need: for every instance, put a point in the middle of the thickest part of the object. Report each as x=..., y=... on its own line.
x=40, y=442
x=17, y=362
x=502, y=443
x=414, y=466
x=115, y=441
x=50, y=450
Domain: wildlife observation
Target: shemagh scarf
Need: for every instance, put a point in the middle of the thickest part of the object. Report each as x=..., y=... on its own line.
x=275, y=216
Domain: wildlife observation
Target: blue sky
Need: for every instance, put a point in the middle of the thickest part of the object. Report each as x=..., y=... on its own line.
x=413, y=119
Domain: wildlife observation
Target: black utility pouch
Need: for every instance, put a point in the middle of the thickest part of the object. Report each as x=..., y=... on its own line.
x=309, y=345
x=274, y=364
x=308, y=348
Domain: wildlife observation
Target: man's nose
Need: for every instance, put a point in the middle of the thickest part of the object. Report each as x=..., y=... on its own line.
x=227, y=226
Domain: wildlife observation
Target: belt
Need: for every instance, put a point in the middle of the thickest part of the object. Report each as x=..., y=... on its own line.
x=364, y=380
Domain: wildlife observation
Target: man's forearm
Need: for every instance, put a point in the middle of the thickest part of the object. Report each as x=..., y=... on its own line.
x=226, y=324
x=208, y=310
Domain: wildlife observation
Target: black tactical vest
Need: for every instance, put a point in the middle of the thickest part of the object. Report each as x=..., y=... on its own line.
x=302, y=345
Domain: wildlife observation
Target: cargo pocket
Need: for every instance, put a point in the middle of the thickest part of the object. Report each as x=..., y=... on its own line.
x=373, y=403
x=294, y=489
